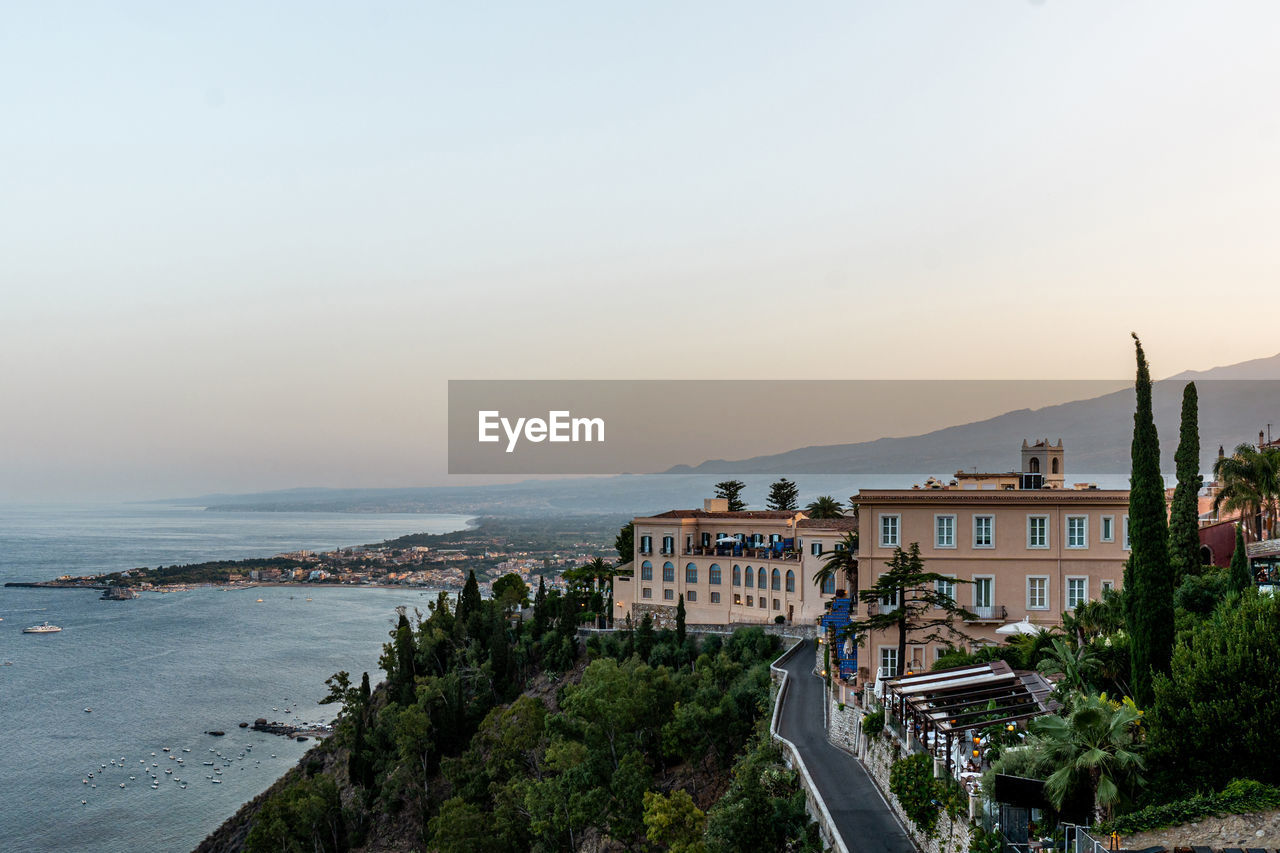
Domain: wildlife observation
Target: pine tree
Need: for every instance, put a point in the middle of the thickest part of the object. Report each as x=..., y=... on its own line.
x=920, y=607
x=1241, y=576
x=783, y=494
x=731, y=490
x=1184, y=521
x=1148, y=580
x=680, y=621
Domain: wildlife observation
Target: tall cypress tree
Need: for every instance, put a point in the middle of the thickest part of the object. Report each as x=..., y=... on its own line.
x=680, y=621
x=469, y=601
x=1184, y=524
x=1240, y=575
x=1149, y=582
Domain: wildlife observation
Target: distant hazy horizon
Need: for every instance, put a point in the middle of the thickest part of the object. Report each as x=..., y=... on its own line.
x=246, y=247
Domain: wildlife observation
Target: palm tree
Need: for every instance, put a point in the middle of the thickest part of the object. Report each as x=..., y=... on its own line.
x=1096, y=745
x=825, y=507
x=1077, y=667
x=843, y=560
x=1250, y=483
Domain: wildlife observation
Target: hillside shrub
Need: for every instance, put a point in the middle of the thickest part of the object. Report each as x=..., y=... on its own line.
x=1240, y=797
x=873, y=723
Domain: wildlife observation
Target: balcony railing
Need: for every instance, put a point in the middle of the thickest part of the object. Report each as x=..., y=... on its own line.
x=728, y=551
x=987, y=612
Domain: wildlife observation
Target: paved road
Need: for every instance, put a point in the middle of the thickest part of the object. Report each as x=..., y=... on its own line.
x=860, y=813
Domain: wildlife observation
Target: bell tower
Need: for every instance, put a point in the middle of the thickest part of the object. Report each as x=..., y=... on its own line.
x=1042, y=465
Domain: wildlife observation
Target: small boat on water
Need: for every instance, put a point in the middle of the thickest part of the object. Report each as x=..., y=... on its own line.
x=217, y=781
x=259, y=600
x=42, y=628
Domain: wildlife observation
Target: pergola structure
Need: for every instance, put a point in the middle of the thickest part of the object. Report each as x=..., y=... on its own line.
x=939, y=707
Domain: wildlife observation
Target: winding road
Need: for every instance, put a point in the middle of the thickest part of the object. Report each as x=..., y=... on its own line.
x=860, y=814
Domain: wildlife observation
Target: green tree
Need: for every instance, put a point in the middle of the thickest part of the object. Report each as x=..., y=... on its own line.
x=908, y=599
x=1250, y=485
x=461, y=827
x=825, y=507
x=674, y=821
x=469, y=601
x=1217, y=712
x=1097, y=744
x=510, y=591
x=1076, y=669
x=625, y=543
x=783, y=494
x=1148, y=581
x=843, y=560
x=1241, y=577
x=731, y=490
x=1184, y=518
x=645, y=637
x=680, y=621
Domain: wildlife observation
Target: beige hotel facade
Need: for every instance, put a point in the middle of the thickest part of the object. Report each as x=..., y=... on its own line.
x=1022, y=545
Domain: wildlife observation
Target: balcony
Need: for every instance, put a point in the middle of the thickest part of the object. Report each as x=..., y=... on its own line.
x=987, y=613
x=747, y=553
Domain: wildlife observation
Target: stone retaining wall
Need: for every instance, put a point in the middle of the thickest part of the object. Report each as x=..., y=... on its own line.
x=1259, y=829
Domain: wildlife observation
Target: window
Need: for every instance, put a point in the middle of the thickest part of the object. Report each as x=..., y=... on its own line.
x=1077, y=531
x=750, y=601
x=668, y=573
x=737, y=575
x=1107, y=586
x=984, y=531
x=751, y=577
x=1108, y=532
x=983, y=596
x=777, y=605
x=1124, y=526
x=1037, y=531
x=889, y=531
x=668, y=594
x=777, y=580
x=1077, y=592
x=944, y=531
x=706, y=540
x=1037, y=592
x=762, y=579
x=668, y=544
x=737, y=598
x=691, y=595
x=889, y=603
x=713, y=574
x=945, y=587
x=888, y=661
x=646, y=571
x=839, y=546
x=691, y=573
x=688, y=543
x=646, y=544
x=762, y=602
x=829, y=585
x=816, y=549
x=646, y=593
x=715, y=598
x=791, y=581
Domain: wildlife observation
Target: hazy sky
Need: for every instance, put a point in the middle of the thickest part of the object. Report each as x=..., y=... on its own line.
x=245, y=245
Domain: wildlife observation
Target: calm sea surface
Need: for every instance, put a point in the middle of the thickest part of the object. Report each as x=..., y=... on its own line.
x=161, y=670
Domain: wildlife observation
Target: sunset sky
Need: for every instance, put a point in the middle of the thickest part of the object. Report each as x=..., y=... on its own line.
x=245, y=246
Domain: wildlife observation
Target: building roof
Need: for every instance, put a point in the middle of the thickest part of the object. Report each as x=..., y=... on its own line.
x=847, y=523
x=784, y=515
x=1004, y=496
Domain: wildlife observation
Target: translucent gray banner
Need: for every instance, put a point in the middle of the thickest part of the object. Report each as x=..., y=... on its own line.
x=545, y=427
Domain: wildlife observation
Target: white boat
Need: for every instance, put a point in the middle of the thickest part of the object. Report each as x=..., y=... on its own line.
x=42, y=628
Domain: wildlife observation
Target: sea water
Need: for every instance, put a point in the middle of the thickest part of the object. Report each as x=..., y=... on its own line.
x=162, y=670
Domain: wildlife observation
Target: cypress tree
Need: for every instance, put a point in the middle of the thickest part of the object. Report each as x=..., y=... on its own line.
x=1241, y=576
x=680, y=621
x=469, y=601
x=1184, y=526
x=1148, y=579
x=540, y=609
x=405, y=654
x=644, y=637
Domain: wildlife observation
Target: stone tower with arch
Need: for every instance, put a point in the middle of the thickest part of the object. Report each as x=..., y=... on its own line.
x=1045, y=459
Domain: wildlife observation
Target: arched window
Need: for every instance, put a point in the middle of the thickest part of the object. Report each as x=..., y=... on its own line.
x=668, y=572
x=751, y=578
x=1034, y=466
x=691, y=573
x=791, y=581
x=777, y=579
x=829, y=585
x=737, y=575
x=763, y=578
x=713, y=574
x=1054, y=465
x=646, y=571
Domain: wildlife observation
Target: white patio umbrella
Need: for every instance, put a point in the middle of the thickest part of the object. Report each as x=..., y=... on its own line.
x=725, y=540
x=1020, y=627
